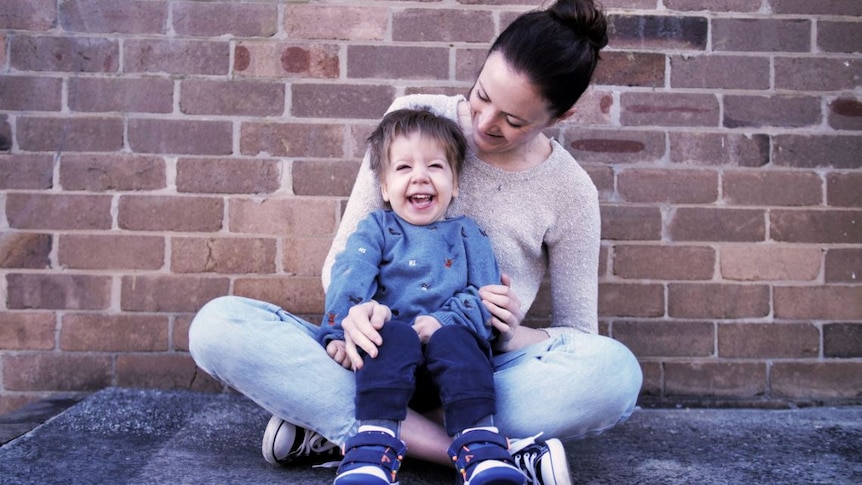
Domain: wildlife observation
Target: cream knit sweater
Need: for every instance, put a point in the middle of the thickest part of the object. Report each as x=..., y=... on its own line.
x=542, y=219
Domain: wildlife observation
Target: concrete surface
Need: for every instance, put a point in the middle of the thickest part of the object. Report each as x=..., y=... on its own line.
x=124, y=436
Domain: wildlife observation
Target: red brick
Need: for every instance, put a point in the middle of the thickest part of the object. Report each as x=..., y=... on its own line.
x=64, y=54
x=442, y=25
x=717, y=224
x=215, y=19
x=841, y=380
x=669, y=109
x=769, y=263
x=114, y=333
x=170, y=293
x=652, y=379
x=654, y=32
x=5, y=130
x=772, y=188
x=323, y=178
x=223, y=255
x=14, y=402
x=100, y=173
x=628, y=223
x=720, y=72
x=693, y=148
x=839, y=37
x=228, y=175
x=284, y=217
x=24, y=171
x=818, y=303
x=841, y=340
x=170, y=213
x=70, y=134
x=816, y=226
x=292, y=139
x=303, y=256
x=468, y=63
x=668, y=186
x=761, y=35
x=614, y=146
x=714, y=5
x=58, y=292
x=336, y=22
x=768, y=341
x=180, y=332
x=816, y=73
x=840, y=7
x=397, y=62
x=58, y=211
x=845, y=113
x=25, y=250
x=778, y=111
x=54, y=371
x=232, y=98
x=183, y=137
x=340, y=101
x=642, y=69
x=742, y=380
x=27, y=331
x=113, y=16
x=804, y=151
x=283, y=60
x=843, y=265
x=842, y=189
x=123, y=95
x=631, y=300
x=110, y=251
x=163, y=371
x=299, y=295
x=667, y=339
x=707, y=300
x=609, y=4
x=603, y=178
x=177, y=56
x=664, y=262
x=34, y=15
x=31, y=93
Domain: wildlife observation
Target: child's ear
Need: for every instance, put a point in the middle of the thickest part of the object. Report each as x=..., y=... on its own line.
x=384, y=191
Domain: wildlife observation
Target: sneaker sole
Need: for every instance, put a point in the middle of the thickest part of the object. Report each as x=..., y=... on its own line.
x=272, y=428
x=557, y=457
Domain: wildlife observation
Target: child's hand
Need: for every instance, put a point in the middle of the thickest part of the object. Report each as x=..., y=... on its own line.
x=360, y=330
x=336, y=349
x=425, y=326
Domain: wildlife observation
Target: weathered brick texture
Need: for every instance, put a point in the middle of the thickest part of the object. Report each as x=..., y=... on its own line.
x=156, y=154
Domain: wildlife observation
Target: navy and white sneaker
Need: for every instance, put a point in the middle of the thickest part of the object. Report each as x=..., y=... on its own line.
x=371, y=458
x=481, y=458
x=288, y=444
x=542, y=461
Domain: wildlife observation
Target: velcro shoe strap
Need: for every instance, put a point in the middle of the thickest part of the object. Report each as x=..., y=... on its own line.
x=371, y=448
x=477, y=446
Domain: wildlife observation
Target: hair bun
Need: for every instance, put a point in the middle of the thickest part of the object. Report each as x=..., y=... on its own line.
x=584, y=18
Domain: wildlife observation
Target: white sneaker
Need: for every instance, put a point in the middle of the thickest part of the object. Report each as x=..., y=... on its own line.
x=285, y=443
x=542, y=461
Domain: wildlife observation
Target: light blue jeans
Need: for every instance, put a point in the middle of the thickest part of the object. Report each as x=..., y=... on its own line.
x=569, y=386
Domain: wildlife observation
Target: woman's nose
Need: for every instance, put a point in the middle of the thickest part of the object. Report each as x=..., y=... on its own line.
x=485, y=121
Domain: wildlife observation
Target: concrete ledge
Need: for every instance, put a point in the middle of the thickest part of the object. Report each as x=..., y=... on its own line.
x=149, y=436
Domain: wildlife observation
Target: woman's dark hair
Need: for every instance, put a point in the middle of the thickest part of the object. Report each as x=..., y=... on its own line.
x=557, y=48
x=405, y=122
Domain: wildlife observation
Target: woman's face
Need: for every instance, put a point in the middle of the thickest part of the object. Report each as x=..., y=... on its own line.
x=507, y=112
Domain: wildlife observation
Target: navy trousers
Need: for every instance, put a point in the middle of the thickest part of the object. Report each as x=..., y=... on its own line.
x=456, y=361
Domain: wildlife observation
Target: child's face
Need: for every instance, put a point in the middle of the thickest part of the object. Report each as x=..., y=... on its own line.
x=418, y=181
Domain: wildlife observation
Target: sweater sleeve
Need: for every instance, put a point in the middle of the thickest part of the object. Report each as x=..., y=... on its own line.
x=353, y=277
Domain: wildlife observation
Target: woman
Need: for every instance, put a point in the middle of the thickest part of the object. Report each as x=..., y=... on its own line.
x=541, y=211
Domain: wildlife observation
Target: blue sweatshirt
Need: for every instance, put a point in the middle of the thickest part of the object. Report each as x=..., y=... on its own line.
x=434, y=270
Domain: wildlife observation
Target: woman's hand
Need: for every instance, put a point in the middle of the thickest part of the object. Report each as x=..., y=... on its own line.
x=360, y=330
x=505, y=308
x=425, y=327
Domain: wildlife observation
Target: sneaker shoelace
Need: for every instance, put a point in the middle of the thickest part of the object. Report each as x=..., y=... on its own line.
x=526, y=461
x=314, y=442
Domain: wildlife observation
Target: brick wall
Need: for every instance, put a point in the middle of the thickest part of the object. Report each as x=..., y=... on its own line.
x=155, y=154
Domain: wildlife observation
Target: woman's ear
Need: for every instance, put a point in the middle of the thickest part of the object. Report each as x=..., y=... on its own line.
x=563, y=117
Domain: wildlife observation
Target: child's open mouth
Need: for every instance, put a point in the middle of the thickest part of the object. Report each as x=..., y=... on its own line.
x=421, y=201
